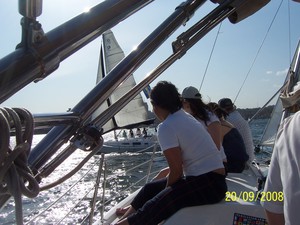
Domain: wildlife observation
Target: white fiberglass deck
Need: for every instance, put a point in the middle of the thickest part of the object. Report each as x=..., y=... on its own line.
x=239, y=205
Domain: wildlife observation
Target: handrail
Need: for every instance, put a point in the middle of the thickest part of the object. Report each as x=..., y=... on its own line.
x=151, y=162
x=103, y=191
x=100, y=169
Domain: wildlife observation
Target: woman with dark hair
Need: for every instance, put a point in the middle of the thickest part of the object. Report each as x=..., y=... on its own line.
x=193, y=104
x=196, y=172
x=232, y=142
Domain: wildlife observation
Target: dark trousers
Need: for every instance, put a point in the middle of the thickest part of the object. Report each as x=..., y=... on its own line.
x=155, y=203
x=235, y=166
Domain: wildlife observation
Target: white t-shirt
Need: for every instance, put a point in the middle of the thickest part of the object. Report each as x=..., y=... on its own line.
x=199, y=153
x=244, y=129
x=284, y=172
x=213, y=118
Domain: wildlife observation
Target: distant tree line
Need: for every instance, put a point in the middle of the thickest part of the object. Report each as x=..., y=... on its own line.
x=249, y=113
x=246, y=113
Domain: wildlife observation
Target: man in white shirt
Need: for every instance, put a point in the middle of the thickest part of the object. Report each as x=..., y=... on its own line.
x=241, y=125
x=283, y=181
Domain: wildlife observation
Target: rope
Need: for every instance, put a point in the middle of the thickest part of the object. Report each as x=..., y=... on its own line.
x=15, y=176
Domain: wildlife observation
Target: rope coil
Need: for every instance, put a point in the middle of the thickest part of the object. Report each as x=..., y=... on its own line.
x=16, y=177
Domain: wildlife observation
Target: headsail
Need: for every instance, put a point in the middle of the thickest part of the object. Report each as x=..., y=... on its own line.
x=269, y=135
x=289, y=96
x=136, y=111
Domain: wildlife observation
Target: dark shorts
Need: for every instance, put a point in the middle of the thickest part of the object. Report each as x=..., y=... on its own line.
x=155, y=203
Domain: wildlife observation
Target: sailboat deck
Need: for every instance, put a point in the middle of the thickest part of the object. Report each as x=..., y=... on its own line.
x=240, y=203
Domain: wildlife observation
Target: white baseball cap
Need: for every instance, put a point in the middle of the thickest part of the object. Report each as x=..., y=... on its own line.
x=191, y=92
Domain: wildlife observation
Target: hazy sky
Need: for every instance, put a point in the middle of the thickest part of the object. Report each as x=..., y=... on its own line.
x=235, y=50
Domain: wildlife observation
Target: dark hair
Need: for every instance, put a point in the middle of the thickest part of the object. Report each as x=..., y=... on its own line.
x=226, y=104
x=218, y=110
x=199, y=109
x=166, y=96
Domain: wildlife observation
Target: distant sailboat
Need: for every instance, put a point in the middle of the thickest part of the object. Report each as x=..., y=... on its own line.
x=134, y=114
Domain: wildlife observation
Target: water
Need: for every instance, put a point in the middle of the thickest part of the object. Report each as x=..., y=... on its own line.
x=119, y=176
x=257, y=128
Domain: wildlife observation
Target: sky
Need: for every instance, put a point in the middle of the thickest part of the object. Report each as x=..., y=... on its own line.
x=252, y=48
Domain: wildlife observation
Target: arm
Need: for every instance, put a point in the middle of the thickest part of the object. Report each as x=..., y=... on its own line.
x=274, y=209
x=174, y=159
x=274, y=218
x=163, y=173
x=214, y=129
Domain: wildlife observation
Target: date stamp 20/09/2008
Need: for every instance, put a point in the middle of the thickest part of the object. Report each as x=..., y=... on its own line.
x=252, y=196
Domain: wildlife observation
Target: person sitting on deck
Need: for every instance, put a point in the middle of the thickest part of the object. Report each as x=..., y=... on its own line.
x=192, y=103
x=124, y=134
x=131, y=133
x=138, y=132
x=283, y=178
x=196, y=175
x=145, y=134
x=235, y=118
x=232, y=142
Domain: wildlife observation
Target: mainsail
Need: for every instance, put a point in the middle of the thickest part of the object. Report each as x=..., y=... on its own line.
x=136, y=111
x=289, y=94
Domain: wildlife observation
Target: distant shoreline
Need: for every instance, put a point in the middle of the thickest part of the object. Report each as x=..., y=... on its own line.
x=248, y=113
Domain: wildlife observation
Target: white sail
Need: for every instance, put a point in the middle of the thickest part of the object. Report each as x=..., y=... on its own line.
x=136, y=111
x=269, y=135
x=289, y=96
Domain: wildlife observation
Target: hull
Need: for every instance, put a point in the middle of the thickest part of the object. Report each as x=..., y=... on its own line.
x=142, y=144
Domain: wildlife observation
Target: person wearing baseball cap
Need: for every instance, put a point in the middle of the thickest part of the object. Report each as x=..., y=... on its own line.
x=226, y=103
x=191, y=93
x=193, y=104
x=240, y=123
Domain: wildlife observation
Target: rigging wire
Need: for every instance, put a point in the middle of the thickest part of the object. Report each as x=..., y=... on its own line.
x=255, y=58
x=289, y=25
x=209, y=59
x=97, y=162
x=65, y=193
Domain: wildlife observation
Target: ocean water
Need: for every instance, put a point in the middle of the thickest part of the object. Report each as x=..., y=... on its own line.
x=63, y=199
x=257, y=128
